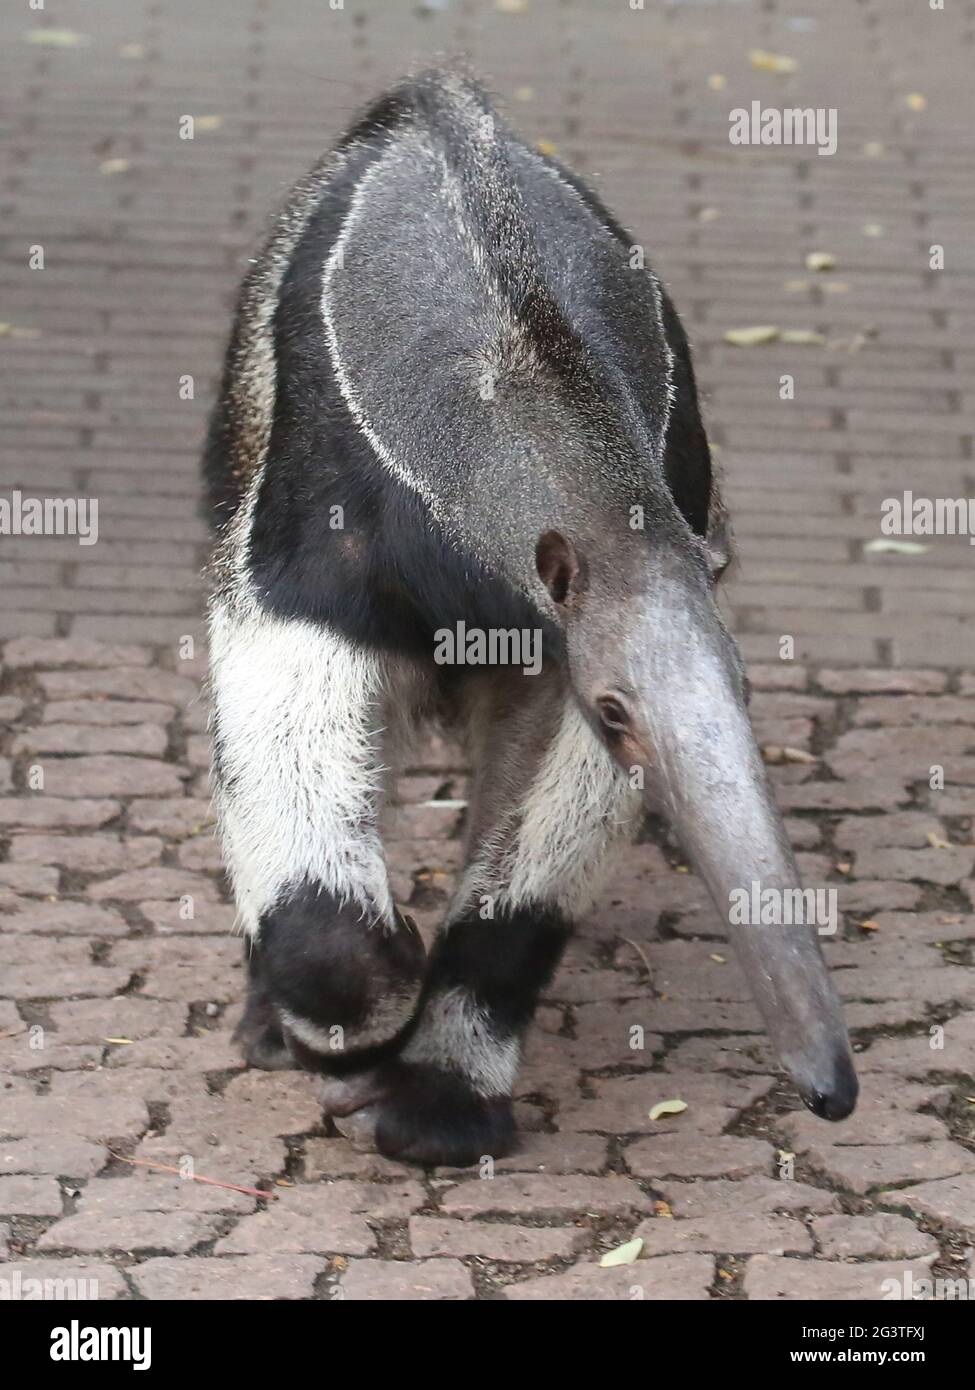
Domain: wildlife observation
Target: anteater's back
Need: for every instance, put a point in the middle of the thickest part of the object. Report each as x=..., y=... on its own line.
x=443, y=311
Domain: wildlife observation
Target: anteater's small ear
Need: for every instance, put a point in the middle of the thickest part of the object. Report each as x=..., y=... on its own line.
x=560, y=569
x=719, y=540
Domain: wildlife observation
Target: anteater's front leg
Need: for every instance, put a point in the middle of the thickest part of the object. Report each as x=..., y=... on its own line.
x=297, y=715
x=547, y=803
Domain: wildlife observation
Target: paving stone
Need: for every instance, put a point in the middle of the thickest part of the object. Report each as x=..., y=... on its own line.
x=182, y=968
x=29, y=1196
x=145, y=740
x=205, y=1052
x=121, y=1017
x=46, y=1117
x=944, y=866
x=323, y=1217
x=157, y=882
x=698, y=1156
x=101, y=776
x=171, y=816
x=914, y=709
x=927, y=927
x=238, y=1125
x=107, y=713
x=556, y=1153
x=36, y=1051
x=734, y=1233
x=681, y=1277
x=402, y=1281
x=622, y=1105
x=87, y=853
x=884, y=1236
x=248, y=1277
x=943, y=983
x=223, y=1152
x=859, y=752
x=877, y=793
x=177, y=1231
x=201, y=852
x=949, y=1199
x=772, y=1277
x=907, y=829
x=747, y=1195
x=709, y=1054
x=144, y=1189
x=864, y=1166
x=41, y=812
x=201, y=916
x=154, y=1085
x=10, y=1020
x=555, y=1195
x=336, y=1158
x=872, y=682
x=30, y=878
x=54, y=980
x=867, y=898
x=920, y=1056
x=59, y=1155
x=65, y=918
x=126, y=683
x=491, y=1240
x=74, y=651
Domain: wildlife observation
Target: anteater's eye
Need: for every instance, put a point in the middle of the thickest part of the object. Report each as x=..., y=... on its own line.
x=613, y=715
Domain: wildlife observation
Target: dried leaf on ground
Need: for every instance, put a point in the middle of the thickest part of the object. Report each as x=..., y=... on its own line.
x=763, y=61
x=622, y=1255
x=892, y=547
x=668, y=1107
x=752, y=337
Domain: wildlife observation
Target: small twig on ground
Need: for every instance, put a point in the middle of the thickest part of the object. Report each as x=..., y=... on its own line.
x=196, y=1177
x=643, y=956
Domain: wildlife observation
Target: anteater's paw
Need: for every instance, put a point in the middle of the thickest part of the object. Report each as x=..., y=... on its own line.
x=345, y=992
x=420, y=1114
x=260, y=1039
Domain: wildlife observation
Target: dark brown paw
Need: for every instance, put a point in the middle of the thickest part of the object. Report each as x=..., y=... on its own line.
x=344, y=989
x=420, y=1114
x=260, y=1039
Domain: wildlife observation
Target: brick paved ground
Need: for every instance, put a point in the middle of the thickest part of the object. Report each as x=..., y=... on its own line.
x=120, y=984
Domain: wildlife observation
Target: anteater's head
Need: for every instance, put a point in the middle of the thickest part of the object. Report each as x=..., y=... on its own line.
x=662, y=682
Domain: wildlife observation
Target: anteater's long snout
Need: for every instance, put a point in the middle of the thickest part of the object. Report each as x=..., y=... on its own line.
x=691, y=731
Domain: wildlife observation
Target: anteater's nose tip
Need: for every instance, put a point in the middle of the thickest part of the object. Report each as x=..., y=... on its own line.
x=840, y=1099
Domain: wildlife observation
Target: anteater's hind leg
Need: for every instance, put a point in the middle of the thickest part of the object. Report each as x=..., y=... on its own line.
x=547, y=803
x=299, y=724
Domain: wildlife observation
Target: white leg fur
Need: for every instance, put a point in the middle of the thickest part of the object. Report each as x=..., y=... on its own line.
x=555, y=848
x=296, y=719
x=455, y=1034
x=295, y=706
